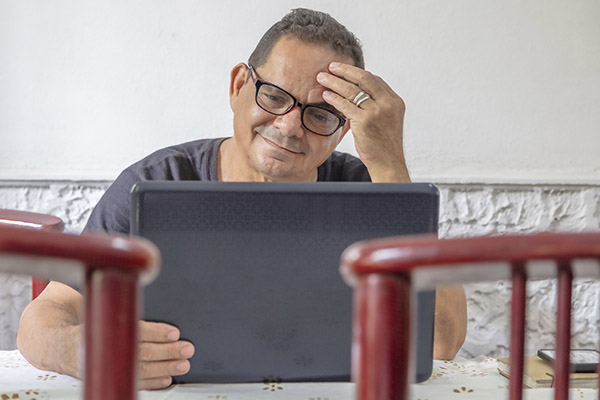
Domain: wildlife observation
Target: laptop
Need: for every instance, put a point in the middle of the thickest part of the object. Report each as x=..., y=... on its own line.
x=251, y=275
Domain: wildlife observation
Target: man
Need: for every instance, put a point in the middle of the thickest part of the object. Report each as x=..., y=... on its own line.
x=303, y=89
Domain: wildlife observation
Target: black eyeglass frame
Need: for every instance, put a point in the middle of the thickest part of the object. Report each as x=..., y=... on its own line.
x=258, y=83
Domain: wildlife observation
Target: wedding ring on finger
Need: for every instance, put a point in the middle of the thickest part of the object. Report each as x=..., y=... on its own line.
x=360, y=98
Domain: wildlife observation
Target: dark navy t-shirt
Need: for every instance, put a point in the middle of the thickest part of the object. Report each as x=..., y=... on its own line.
x=192, y=161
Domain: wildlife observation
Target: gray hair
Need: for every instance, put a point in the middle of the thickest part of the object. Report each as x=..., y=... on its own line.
x=312, y=27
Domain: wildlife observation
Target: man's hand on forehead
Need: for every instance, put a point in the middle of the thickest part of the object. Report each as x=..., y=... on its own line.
x=376, y=116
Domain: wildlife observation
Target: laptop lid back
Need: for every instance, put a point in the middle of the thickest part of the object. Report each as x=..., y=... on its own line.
x=250, y=271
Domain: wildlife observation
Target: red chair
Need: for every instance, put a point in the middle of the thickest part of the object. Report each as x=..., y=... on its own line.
x=112, y=268
x=34, y=221
x=384, y=272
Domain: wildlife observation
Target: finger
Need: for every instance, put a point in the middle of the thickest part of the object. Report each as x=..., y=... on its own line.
x=368, y=82
x=341, y=104
x=151, y=351
x=158, y=332
x=155, y=383
x=157, y=369
x=338, y=85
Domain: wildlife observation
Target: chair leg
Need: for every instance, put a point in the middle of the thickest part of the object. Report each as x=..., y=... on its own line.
x=563, y=333
x=111, y=335
x=381, y=334
x=517, y=331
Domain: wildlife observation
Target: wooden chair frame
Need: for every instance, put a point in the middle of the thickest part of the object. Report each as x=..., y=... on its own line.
x=32, y=220
x=385, y=273
x=113, y=268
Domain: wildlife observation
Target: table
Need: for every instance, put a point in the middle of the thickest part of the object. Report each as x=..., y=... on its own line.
x=460, y=379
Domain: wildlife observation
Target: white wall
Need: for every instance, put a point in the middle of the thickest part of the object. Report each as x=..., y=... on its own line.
x=496, y=91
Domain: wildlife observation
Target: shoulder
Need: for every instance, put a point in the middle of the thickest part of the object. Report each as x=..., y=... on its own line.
x=186, y=161
x=343, y=167
x=195, y=160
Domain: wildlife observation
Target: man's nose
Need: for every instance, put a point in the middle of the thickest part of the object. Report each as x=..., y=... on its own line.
x=290, y=124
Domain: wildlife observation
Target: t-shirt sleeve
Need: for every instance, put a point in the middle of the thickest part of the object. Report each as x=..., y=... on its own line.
x=111, y=214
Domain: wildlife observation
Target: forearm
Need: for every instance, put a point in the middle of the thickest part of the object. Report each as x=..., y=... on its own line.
x=386, y=174
x=389, y=166
x=50, y=331
x=51, y=338
x=450, y=322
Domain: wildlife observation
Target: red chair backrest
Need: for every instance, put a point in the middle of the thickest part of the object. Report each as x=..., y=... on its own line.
x=32, y=220
x=28, y=219
x=112, y=267
x=382, y=273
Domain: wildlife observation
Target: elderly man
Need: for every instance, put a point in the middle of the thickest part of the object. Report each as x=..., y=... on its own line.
x=303, y=89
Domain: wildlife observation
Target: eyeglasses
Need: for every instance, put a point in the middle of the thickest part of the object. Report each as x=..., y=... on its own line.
x=274, y=100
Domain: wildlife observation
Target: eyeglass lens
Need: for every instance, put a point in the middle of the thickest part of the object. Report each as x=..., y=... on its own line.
x=316, y=119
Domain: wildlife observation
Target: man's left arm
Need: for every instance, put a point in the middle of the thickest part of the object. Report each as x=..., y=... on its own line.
x=377, y=126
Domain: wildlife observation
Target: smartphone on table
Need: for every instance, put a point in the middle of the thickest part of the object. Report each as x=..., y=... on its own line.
x=582, y=360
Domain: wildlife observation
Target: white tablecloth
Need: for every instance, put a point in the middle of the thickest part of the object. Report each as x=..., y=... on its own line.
x=462, y=379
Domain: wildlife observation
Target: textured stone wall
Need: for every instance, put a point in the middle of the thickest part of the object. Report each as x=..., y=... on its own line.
x=466, y=210
x=72, y=202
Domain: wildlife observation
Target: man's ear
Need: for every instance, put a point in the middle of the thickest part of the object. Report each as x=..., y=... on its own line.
x=238, y=78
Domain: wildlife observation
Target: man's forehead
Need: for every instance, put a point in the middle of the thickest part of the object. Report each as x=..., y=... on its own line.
x=294, y=65
x=293, y=58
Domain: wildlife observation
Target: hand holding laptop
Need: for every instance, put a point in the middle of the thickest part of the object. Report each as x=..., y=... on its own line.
x=162, y=355
x=51, y=335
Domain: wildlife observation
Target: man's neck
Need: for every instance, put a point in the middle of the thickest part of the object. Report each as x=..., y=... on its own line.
x=232, y=166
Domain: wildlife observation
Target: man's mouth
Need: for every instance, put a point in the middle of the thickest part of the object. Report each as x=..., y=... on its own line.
x=277, y=146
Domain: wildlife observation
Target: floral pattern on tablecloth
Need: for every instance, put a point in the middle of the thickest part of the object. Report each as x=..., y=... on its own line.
x=21, y=380
x=455, y=380
x=29, y=394
x=478, y=367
